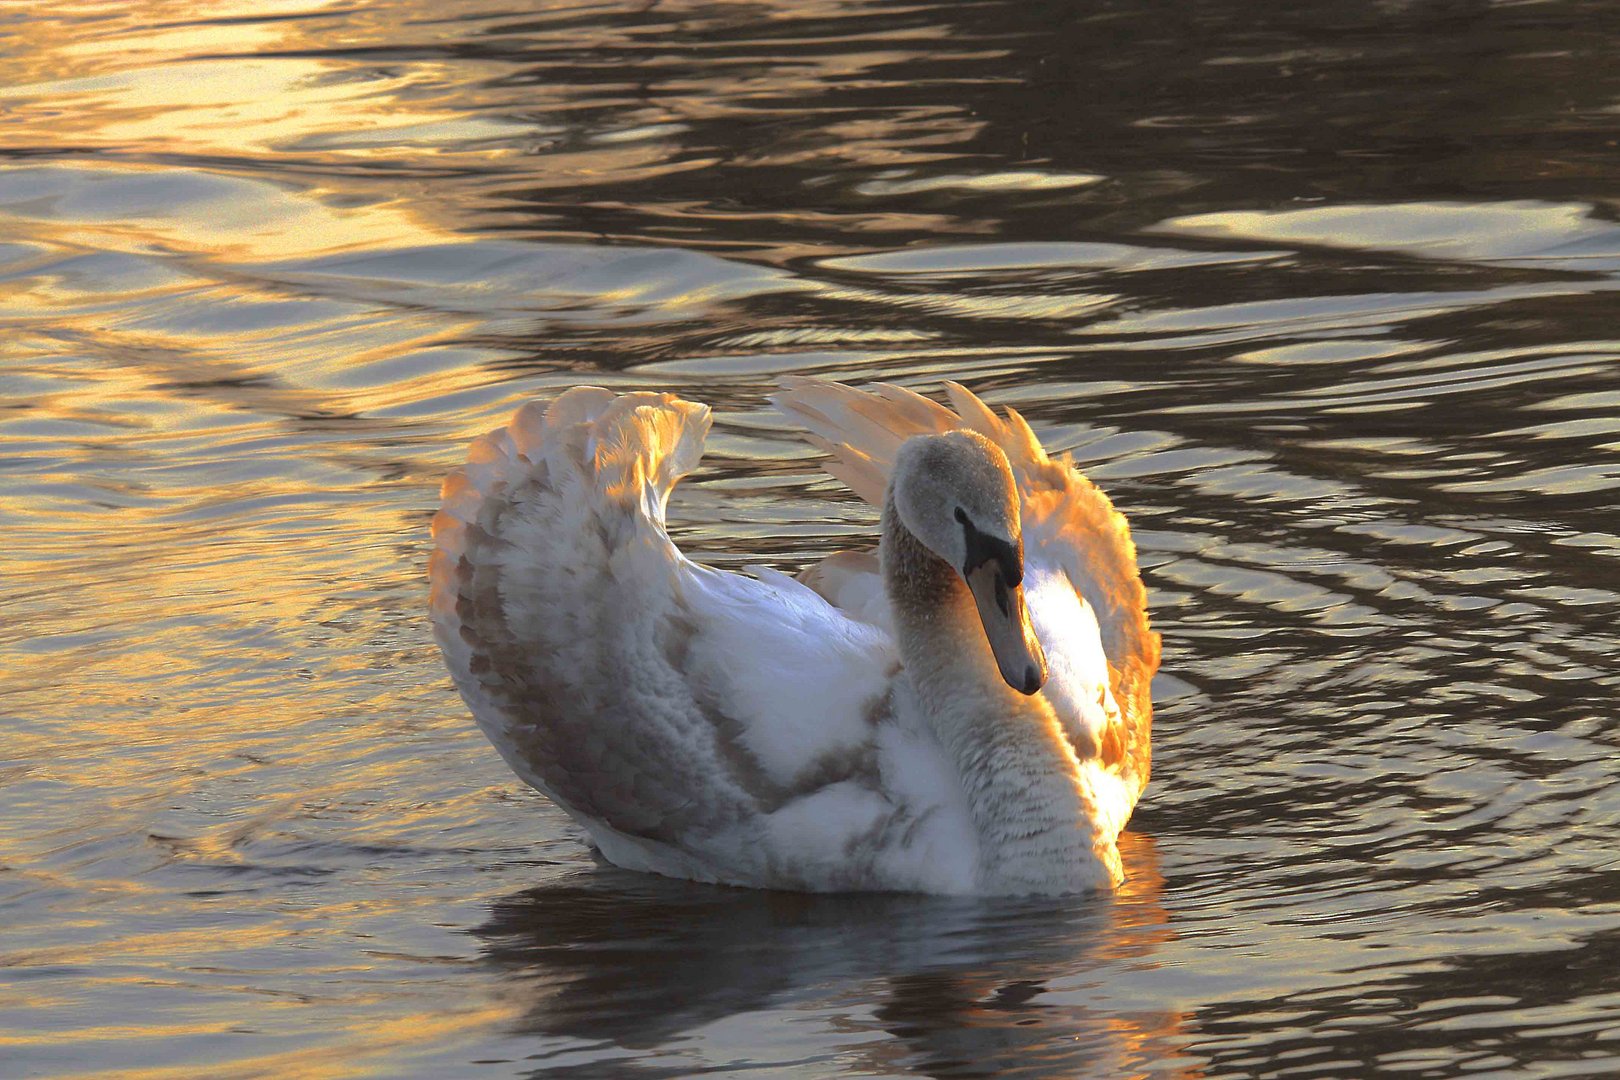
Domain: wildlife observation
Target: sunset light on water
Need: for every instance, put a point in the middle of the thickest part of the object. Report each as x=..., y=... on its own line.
x=1322, y=297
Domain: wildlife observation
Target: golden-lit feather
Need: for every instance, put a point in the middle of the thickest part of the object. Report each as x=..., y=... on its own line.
x=1064, y=514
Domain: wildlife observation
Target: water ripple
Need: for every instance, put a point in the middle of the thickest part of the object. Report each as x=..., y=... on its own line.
x=1321, y=300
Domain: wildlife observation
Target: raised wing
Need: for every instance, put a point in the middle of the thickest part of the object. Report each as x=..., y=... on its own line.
x=670, y=707
x=1081, y=575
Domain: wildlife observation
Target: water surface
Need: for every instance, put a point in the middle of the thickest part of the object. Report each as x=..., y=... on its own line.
x=1324, y=297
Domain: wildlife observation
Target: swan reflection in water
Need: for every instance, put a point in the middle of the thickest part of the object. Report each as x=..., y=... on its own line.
x=955, y=986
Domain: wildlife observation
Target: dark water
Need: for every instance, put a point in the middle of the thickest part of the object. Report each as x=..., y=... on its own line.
x=1324, y=294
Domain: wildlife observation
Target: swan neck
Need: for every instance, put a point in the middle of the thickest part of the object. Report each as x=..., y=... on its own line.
x=1034, y=823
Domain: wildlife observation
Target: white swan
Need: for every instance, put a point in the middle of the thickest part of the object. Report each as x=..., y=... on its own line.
x=968, y=712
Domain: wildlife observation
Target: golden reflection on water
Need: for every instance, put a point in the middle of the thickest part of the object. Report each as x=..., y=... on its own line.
x=148, y=87
x=204, y=215
x=99, y=37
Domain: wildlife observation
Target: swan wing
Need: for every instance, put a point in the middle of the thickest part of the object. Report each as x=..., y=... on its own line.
x=686, y=716
x=1084, y=591
x=852, y=581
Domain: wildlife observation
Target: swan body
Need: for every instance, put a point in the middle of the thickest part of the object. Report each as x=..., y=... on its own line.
x=966, y=711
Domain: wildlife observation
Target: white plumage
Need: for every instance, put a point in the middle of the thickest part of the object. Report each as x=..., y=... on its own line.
x=779, y=732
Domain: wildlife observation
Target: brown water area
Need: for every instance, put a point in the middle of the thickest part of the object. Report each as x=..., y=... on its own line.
x=1323, y=294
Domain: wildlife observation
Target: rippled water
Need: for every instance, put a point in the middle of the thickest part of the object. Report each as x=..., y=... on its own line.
x=1323, y=295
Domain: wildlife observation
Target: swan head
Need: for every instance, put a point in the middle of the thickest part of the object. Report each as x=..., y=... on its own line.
x=956, y=494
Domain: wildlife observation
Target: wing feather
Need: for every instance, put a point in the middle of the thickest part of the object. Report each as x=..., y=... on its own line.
x=669, y=707
x=1070, y=528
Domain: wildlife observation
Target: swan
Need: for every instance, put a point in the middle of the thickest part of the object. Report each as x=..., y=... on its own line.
x=965, y=711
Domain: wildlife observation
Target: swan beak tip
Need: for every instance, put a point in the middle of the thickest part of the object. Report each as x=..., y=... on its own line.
x=1002, y=611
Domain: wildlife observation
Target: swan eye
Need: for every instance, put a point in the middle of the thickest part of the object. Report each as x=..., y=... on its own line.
x=982, y=548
